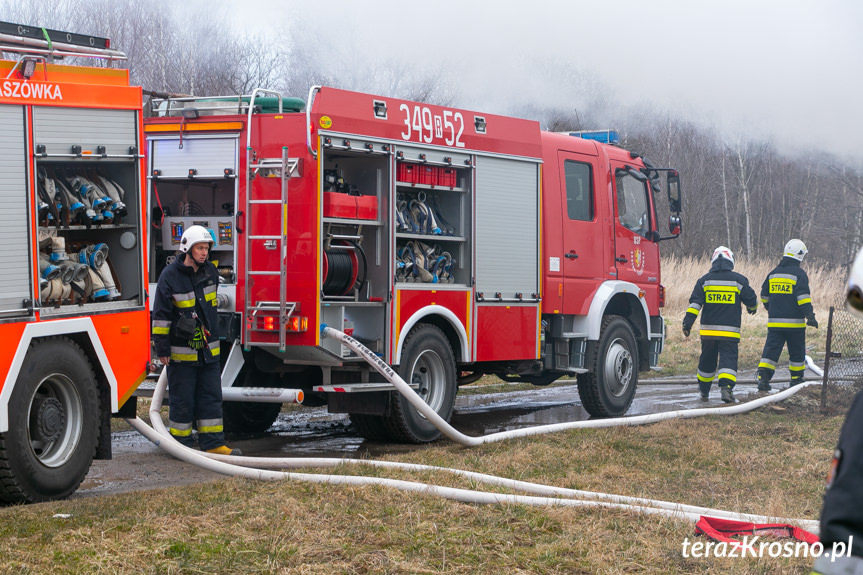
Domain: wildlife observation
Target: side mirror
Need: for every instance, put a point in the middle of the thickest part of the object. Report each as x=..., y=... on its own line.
x=674, y=225
x=675, y=204
x=635, y=173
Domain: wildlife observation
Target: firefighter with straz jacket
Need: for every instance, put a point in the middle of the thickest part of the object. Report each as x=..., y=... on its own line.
x=717, y=296
x=785, y=295
x=186, y=338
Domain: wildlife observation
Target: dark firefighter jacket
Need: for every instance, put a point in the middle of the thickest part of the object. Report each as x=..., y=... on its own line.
x=183, y=292
x=717, y=295
x=785, y=295
x=842, y=513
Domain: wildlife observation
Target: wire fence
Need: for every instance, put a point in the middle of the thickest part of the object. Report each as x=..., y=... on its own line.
x=843, y=359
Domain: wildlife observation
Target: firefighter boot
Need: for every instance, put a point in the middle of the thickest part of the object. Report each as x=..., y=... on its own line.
x=763, y=381
x=704, y=388
x=727, y=394
x=224, y=450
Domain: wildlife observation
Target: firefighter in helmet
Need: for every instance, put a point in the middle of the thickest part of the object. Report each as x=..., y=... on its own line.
x=842, y=511
x=185, y=335
x=717, y=296
x=785, y=295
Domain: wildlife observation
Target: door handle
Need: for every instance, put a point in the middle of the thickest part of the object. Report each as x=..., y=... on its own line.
x=621, y=259
x=571, y=255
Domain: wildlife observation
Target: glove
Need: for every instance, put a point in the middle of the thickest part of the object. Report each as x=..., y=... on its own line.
x=752, y=310
x=811, y=321
x=686, y=331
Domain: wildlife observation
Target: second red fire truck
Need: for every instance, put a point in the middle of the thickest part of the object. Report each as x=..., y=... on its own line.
x=451, y=243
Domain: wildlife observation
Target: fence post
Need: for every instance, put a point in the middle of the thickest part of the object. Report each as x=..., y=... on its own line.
x=827, y=355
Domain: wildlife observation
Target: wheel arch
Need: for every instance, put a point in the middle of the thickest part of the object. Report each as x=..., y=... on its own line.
x=443, y=318
x=616, y=298
x=81, y=331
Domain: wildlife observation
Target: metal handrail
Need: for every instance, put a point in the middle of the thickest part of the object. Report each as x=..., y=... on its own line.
x=312, y=91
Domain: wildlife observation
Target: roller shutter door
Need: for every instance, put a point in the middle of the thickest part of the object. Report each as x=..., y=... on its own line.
x=58, y=129
x=208, y=156
x=507, y=227
x=15, y=280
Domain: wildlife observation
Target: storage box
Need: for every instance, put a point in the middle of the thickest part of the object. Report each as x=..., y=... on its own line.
x=406, y=172
x=426, y=175
x=447, y=177
x=367, y=207
x=338, y=205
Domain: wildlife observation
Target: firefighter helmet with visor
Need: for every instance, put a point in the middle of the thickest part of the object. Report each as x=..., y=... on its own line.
x=795, y=249
x=195, y=235
x=724, y=252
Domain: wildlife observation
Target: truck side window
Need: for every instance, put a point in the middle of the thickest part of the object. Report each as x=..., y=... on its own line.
x=579, y=191
x=632, y=206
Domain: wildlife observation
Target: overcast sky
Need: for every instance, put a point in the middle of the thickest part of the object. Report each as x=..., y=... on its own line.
x=790, y=72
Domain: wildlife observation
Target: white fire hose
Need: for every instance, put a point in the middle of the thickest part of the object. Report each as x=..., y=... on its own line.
x=537, y=494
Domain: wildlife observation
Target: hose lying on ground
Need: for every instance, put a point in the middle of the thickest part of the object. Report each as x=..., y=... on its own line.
x=537, y=494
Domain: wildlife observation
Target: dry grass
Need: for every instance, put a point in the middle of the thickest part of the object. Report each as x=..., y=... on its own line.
x=679, y=276
x=768, y=462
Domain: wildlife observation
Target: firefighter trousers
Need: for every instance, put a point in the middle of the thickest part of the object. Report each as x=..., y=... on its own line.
x=718, y=359
x=195, y=393
x=776, y=340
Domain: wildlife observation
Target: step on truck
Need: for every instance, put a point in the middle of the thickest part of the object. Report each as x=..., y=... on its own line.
x=451, y=243
x=73, y=313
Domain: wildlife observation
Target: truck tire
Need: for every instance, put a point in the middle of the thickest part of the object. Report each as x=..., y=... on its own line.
x=428, y=363
x=609, y=389
x=54, y=415
x=251, y=417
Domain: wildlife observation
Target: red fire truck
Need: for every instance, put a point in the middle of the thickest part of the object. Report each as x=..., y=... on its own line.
x=73, y=313
x=451, y=243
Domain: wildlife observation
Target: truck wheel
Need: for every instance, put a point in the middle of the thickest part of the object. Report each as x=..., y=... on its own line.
x=608, y=390
x=251, y=417
x=428, y=364
x=54, y=415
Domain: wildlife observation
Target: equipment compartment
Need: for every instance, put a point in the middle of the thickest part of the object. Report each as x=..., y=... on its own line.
x=180, y=203
x=354, y=242
x=432, y=221
x=88, y=236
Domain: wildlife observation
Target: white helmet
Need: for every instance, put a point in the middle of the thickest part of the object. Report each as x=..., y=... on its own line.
x=854, y=289
x=795, y=249
x=723, y=252
x=195, y=235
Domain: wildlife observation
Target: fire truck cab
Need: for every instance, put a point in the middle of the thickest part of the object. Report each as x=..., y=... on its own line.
x=451, y=243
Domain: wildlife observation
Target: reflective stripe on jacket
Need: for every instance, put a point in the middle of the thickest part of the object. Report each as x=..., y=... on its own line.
x=785, y=294
x=182, y=291
x=717, y=296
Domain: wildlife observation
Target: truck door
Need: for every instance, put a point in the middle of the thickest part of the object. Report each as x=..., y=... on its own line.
x=585, y=257
x=636, y=255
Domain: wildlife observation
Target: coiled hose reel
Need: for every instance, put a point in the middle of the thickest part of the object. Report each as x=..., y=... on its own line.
x=341, y=268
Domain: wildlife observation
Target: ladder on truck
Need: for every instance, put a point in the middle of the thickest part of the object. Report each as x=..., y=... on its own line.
x=35, y=44
x=258, y=311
